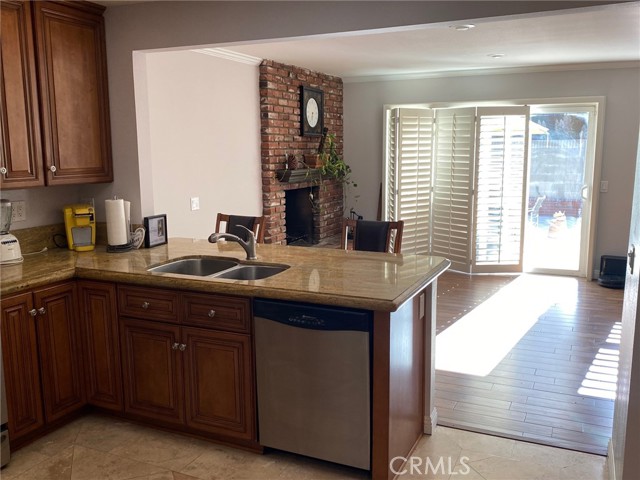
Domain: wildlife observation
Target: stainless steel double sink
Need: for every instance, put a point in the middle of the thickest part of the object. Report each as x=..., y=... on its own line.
x=218, y=268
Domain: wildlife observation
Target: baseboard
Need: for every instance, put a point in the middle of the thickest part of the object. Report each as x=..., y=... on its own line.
x=611, y=464
x=430, y=422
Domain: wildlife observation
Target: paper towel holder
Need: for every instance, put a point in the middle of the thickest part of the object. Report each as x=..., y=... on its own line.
x=156, y=230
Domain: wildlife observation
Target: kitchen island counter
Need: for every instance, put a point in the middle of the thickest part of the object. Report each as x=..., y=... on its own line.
x=325, y=276
x=399, y=290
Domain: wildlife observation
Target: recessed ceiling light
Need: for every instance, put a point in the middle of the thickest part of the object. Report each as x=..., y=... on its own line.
x=463, y=28
x=496, y=55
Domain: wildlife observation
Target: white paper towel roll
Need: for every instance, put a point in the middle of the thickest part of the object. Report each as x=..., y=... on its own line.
x=127, y=218
x=117, y=232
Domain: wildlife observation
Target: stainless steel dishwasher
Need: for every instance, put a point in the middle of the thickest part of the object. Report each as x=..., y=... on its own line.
x=314, y=380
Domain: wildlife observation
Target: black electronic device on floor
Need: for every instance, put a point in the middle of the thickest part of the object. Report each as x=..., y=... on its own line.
x=613, y=270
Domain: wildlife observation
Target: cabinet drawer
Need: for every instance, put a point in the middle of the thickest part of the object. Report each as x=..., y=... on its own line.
x=148, y=303
x=217, y=311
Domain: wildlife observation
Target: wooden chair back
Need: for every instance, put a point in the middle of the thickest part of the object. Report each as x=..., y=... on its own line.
x=257, y=225
x=372, y=228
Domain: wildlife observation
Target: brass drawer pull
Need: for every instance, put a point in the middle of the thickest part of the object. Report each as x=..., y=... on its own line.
x=145, y=305
x=212, y=313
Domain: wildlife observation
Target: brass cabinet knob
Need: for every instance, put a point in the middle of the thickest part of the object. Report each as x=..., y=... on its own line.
x=52, y=169
x=182, y=347
x=3, y=170
x=145, y=305
x=212, y=313
x=33, y=312
x=42, y=311
x=175, y=346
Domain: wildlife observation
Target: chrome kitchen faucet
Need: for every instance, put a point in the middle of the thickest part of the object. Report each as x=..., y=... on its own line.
x=249, y=246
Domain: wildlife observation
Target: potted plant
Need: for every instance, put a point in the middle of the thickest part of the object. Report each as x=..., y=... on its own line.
x=333, y=166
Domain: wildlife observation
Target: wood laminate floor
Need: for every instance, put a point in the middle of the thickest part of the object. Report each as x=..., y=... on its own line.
x=531, y=357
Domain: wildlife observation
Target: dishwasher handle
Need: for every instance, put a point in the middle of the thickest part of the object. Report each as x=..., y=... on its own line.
x=313, y=317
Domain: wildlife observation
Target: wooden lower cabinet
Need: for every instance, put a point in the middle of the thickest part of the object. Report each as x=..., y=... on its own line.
x=152, y=370
x=67, y=345
x=99, y=319
x=21, y=365
x=42, y=355
x=60, y=347
x=218, y=381
x=189, y=376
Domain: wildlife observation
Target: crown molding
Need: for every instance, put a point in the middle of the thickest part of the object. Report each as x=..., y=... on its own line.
x=491, y=71
x=229, y=55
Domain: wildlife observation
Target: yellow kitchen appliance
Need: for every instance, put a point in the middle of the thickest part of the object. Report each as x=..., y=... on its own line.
x=80, y=225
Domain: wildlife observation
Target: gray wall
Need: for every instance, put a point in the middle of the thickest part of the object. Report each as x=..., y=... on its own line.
x=181, y=24
x=169, y=24
x=363, y=125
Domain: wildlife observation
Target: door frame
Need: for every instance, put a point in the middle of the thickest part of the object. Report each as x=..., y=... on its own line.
x=591, y=181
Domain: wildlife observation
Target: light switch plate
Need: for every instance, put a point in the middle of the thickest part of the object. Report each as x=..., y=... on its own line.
x=604, y=186
x=195, y=203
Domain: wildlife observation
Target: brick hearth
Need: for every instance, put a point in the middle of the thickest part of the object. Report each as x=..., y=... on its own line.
x=280, y=131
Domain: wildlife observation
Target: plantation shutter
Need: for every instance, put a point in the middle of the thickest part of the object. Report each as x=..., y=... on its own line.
x=501, y=164
x=453, y=186
x=408, y=175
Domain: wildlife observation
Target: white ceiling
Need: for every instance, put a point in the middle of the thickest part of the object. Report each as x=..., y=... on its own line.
x=560, y=39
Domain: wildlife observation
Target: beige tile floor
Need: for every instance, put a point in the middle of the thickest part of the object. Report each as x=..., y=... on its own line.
x=97, y=447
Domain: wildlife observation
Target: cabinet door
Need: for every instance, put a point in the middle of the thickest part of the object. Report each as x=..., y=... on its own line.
x=60, y=347
x=152, y=370
x=99, y=322
x=21, y=153
x=21, y=370
x=219, y=383
x=70, y=45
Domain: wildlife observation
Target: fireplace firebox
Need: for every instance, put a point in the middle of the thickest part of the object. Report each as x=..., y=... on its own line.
x=299, y=216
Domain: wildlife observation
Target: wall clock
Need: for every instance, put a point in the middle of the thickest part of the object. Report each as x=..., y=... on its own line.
x=311, y=111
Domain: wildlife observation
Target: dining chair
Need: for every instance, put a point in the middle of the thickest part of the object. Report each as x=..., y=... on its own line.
x=372, y=236
x=255, y=224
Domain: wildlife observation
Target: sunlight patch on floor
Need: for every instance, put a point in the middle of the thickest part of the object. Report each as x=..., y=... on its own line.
x=478, y=342
x=601, y=379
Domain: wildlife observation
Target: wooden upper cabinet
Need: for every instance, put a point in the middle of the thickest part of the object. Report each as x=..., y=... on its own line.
x=21, y=153
x=71, y=55
x=54, y=98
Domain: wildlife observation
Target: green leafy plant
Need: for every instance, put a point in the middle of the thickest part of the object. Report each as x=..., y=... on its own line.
x=333, y=166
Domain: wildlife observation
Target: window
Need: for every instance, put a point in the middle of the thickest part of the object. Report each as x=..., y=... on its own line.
x=458, y=178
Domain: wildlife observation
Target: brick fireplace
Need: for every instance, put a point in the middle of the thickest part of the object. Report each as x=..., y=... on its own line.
x=280, y=135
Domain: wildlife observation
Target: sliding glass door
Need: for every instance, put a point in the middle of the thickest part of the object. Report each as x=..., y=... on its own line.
x=560, y=189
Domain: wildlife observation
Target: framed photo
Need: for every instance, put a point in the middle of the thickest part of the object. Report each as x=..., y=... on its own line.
x=311, y=111
x=156, y=231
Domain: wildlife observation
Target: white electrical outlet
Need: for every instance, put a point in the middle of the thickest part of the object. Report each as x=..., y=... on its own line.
x=604, y=186
x=195, y=203
x=18, y=211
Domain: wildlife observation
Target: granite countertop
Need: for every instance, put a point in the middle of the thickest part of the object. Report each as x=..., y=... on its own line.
x=372, y=281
